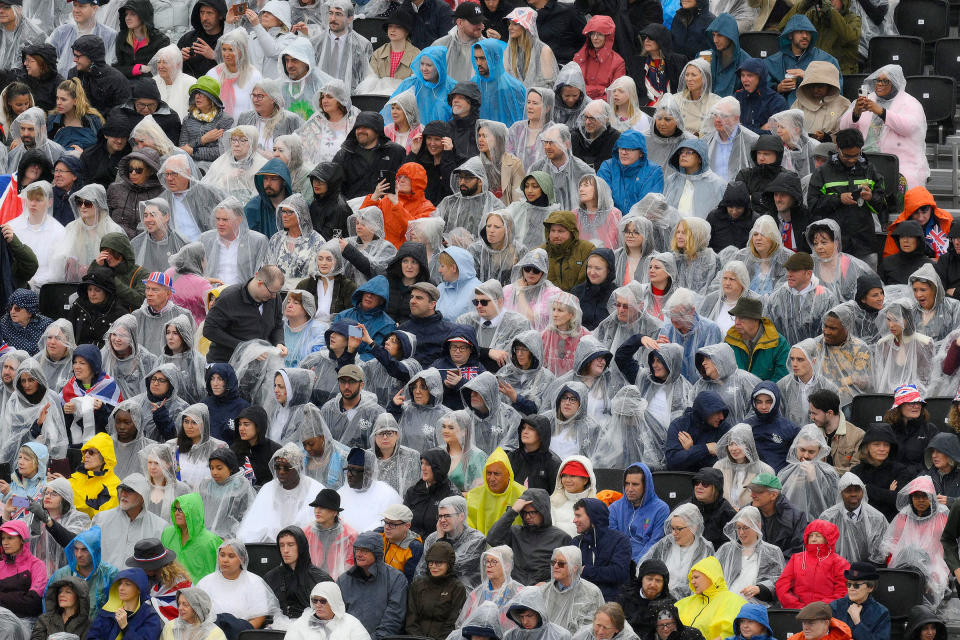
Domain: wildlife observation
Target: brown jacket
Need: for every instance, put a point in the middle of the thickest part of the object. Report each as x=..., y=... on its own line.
x=380, y=61
x=821, y=116
x=845, y=446
x=511, y=179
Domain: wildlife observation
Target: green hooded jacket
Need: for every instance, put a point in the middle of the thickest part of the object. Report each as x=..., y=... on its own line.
x=199, y=554
x=567, y=261
x=128, y=276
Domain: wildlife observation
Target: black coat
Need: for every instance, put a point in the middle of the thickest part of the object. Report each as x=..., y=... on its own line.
x=197, y=65
x=638, y=609
x=438, y=175
x=594, y=153
x=105, y=87
x=91, y=322
x=424, y=501
x=167, y=118
x=398, y=306
x=727, y=231
x=236, y=318
x=359, y=176
x=561, y=27
x=329, y=213
x=434, y=20
x=715, y=514
x=538, y=469
x=127, y=58
x=856, y=222
x=431, y=333
x=44, y=89
x=913, y=437
x=497, y=19
x=689, y=30
x=789, y=182
x=464, y=129
x=293, y=586
x=260, y=453
x=785, y=527
x=636, y=64
x=897, y=268
x=759, y=176
x=594, y=297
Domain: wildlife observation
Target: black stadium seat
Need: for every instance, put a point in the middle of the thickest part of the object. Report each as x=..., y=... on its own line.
x=926, y=19
x=373, y=29
x=868, y=408
x=906, y=51
x=368, y=103
x=783, y=622
x=938, y=96
x=262, y=557
x=673, y=487
x=760, y=44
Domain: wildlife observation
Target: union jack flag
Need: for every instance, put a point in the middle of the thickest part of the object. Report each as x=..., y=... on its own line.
x=248, y=470
x=10, y=204
x=469, y=373
x=938, y=240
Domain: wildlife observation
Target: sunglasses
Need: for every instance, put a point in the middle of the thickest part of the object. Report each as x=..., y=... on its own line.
x=84, y=204
x=136, y=170
x=316, y=601
x=480, y=303
x=529, y=269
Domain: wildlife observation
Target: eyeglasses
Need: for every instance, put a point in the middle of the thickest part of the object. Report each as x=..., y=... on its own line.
x=855, y=585
x=529, y=512
x=140, y=105
x=84, y=204
x=282, y=467
x=480, y=303
x=61, y=172
x=529, y=269
x=666, y=624
x=269, y=290
x=244, y=140
x=316, y=601
x=136, y=170
x=630, y=232
x=435, y=563
x=459, y=346
x=158, y=379
x=679, y=529
x=50, y=493
x=177, y=509
x=389, y=524
x=558, y=563
x=700, y=483
x=444, y=516
x=883, y=81
x=569, y=399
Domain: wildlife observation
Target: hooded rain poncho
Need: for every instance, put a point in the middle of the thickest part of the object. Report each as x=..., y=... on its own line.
x=733, y=384
x=809, y=485
x=194, y=464
x=233, y=171
x=631, y=434
x=760, y=563
x=738, y=475
x=528, y=216
x=128, y=371
x=680, y=560
x=431, y=96
x=523, y=139
x=568, y=607
x=502, y=96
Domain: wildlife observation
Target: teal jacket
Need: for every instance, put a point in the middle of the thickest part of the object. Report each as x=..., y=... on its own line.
x=769, y=358
x=100, y=578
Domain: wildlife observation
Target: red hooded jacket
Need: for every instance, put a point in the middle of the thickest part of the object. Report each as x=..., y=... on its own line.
x=600, y=66
x=913, y=199
x=409, y=206
x=815, y=574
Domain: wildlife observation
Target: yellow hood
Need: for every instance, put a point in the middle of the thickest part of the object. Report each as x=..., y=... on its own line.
x=104, y=444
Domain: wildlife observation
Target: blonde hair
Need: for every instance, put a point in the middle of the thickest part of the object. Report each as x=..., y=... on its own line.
x=515, y=45
x=689, y=250
x=82, y=106
x=173, y=574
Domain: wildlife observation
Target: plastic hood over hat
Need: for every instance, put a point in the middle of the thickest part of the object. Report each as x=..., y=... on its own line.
x=502, y=97
x=541, y=65
x=570, y=75
x=530, y=383
x=839, y=271
x=430, y=97
x=811, y=485
x=467, y=211
x=714, y=610
x=532, y=599
x=631, y=434
x=946, y=311
x=484, y=618
x=764, y=561
x=912, y=539
x=680, y=560
x=859, y=540
x=733, y=384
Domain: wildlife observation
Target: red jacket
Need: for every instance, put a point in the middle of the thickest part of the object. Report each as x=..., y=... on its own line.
x=600, y=66
x=838, y=631
x=409, y=206
x=815, y=574
x=913, y=200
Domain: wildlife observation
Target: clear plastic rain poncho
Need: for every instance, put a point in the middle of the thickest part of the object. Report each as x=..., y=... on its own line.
x=406, y=102
x=486, y=601
x=351, y=62
x=298, y=385
x=697, y=263
x=466, y=471
x=190, y=363
x=429, y=232
x=12, y=627
x=579, y=434
x=793, y=391
x=321, y=136
x=458, y=210
x=294, y=255
x=797, y=145
x=158, y=465
x=627, y=318
x=531, y=598
x=251, y=246
x=363, y=507
x=717, y=304
x=378, y=380
x=509, y=326
x=35, y=116
x=128, y=453
x=327, y=468
x=22, y=411
x=235, y=86
x=622, y=96
x=654, y=303
x=566, y=181
x=766, y=269
x=901, y=356
x=836, y=270
x=602, y=225
x=559, y=343
x=733, y=446
x=57, y=338
x=570, y=75
x=177, y=93
x=944, y=316
x=664, y=218
x=173, y=404
x=725, y=116
x=194, y=463
x=847, y=365
x=533, y=301
x=635, y=241
x=523, y=137
x=281, y=122
x=148, y=133
x=371, y=241
x=810, y=484
x=601, y=387
x=245, y=597
x=632, y=434
x=302, y=96
x=499, y=426
x=16, y=357
x=239, y=161
x=799, y=317
x=193, y=208
x=129, y=371
x=601, y=112
x=353, y=428
x=861, y=539
x=568, y=607
x=402, y=469
x=158, y=241
x=255, y=383
x=669, y=397
x=696, y=110
x=81, y=238
x=528, y=58
x=660, y=148
x=528, y=217
x=418, y=422
x=680, y=559
x=759, y=563
x=732, y=383
x=912, y=539
x=44, y=546
x=496, y=262
x=530, y=383
x=495, y=138
x=202, y=606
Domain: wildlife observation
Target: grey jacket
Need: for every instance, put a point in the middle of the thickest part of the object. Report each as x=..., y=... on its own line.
x=193, y=129
x=378, y=599
x=532, y=545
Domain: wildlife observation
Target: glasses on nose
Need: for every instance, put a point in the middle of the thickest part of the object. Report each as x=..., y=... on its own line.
x=388, y=524
x=631, y=232
x=50, y=493
x=480, y=303
x=84, y=204
x=558, y=563
x=158, y=379
x=444, y=516
x=269, y=290
x=142, y=106
x=883, y=81
x=241, y=141
x=529, y=513
x=136, y=170
x=61, y=172
x=177, y=509
x=855, y=585
x=700, y=483
x=569, y=399
x=679, y=529
x=459, y=347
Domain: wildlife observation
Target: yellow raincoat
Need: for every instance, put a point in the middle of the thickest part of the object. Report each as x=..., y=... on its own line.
x=203, y=344
x=96, y=492
x=485, y=507
x=714, y=610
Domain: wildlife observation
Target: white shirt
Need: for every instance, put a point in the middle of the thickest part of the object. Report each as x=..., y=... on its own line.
x=227, y=269
x=183, y=220
x=45, y=239
x=363, y=510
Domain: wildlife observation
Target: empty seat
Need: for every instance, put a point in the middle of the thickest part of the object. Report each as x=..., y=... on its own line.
x=906, y=51
x=368, y=102
x=261, y=634
x=373, y=29
x=899, y=590
x=851, y=85
x=783, y=622
x=937, y=94
x=868, y=408
x=760, y=44
x=926, y=19
x=673, y=487
x=262, y=557
x=609, y=479
x=56, y=298
x=946, y=58
x=939, y=409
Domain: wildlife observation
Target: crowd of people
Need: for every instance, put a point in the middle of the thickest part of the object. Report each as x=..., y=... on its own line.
x=398, y=347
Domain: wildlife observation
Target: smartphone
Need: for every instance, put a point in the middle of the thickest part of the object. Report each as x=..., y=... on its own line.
x=354, y=331
x=5, y=470
x=241, y=8
x=391, y=179
x=20, y=502
x=863, y=90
